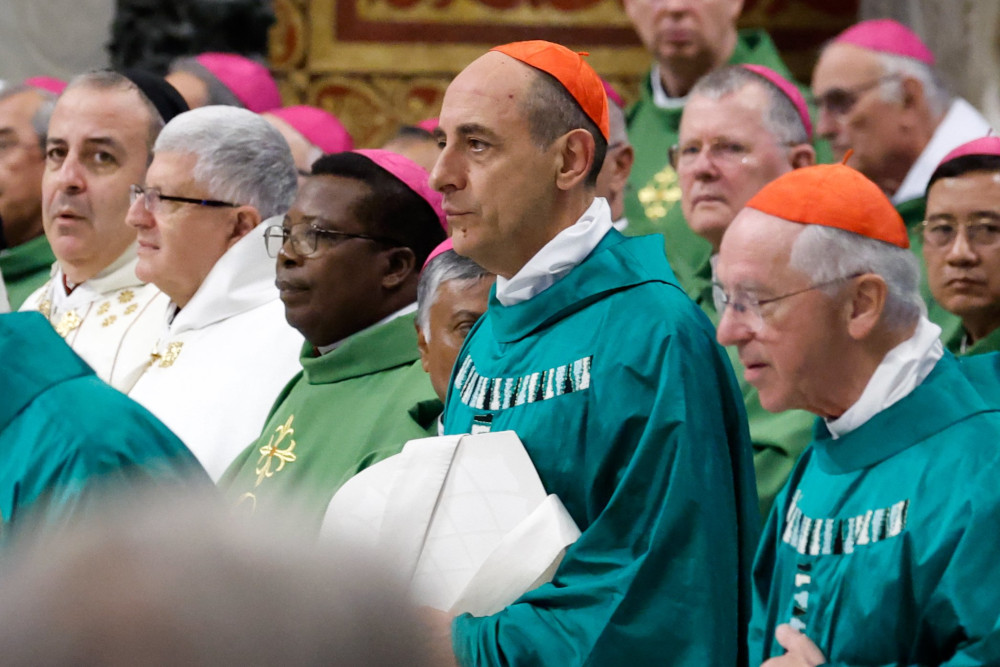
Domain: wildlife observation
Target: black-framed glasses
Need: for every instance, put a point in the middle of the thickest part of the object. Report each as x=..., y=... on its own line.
x=152, y=198
x=305, y=237
x=747, y=308
x=979, y=233
x=840, y=101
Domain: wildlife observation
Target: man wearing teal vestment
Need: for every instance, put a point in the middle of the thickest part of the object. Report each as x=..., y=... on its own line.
x=593, y=355
x=67, y=437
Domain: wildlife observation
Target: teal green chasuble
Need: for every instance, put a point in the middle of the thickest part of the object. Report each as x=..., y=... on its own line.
x=630, y=413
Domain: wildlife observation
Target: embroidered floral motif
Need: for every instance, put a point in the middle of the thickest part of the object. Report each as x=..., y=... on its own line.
x=45, y=308
x=273, y=451
x=167, y=359
x=68, y=323
x=125, y=296
x=105, y=307
x=661, y=194
x=131, y=309
x=109, y=320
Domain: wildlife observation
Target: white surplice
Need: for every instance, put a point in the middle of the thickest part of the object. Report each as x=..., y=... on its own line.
x=221, y=361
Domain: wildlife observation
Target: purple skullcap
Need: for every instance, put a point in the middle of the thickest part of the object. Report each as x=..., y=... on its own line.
x=887, y=36
x=320, y=128
x=613, y=95
x=981, y=146
x=249, y=81
x=49, y=83
x=442, y=247
x=429, y=124
x=411, y=174
x=790, y=90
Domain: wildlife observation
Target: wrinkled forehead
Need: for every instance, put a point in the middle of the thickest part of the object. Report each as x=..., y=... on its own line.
x=86, y=111
x=737, y=114
x=845, y=65
x=756, y=250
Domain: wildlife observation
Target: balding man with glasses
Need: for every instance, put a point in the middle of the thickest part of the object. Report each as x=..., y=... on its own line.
x=880, y=96
x=349, y=253
x=876, y=551
x=224, y=350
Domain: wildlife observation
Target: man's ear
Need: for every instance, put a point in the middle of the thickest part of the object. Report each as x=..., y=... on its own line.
x=624, y=158
x=423, y=347
x=868, y=296
x=914, y=95
x=576, y=156
x=247, y=217
x=802, y=155
x=400, y=265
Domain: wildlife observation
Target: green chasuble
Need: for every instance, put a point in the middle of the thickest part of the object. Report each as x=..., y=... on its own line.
x=25, y=268
x=66, y=437
x=989, y=343
x=653, y=194
x=882, y=546
x=778, y=438
x=345, y=410
x=630, y=413
x=912, y=212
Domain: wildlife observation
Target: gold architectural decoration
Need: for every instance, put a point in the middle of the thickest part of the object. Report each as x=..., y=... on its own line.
x=273, y=451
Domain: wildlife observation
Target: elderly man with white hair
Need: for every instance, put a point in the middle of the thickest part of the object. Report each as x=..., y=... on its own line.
x=225, y=350
x=876, y=550
x=878, y=95
x=452, y=295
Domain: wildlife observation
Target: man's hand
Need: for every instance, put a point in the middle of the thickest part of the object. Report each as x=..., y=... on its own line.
x=801, y=651
x=437, y=637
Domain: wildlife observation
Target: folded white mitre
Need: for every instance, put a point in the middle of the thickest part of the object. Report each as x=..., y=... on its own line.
x=463, y=518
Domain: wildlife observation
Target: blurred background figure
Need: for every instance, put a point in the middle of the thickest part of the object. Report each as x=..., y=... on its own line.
x=417, y=143
x=25, y=257
x=225, y=78
x=617, y=160
x=173, y=580
x=310, y=132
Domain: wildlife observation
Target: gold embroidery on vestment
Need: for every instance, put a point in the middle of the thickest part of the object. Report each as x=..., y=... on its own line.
x=105, y=307
x=131, y=309
x=68, y=323
x=125, y=296
x=45, y=308
x=273, y=451
x=661, y=194
x=109, y=320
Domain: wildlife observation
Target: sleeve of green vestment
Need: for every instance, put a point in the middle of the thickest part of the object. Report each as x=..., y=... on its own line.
x=661, y=573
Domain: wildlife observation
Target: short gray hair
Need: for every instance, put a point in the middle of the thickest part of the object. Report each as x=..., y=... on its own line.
x=218, y=92
x=827, y=253
x=900, y=68
x=446, y=267
x=39, y=119
x=781, y=119
x=241, y=158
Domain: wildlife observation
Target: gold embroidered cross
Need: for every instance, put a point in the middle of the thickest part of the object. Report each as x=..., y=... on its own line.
x=273, y=451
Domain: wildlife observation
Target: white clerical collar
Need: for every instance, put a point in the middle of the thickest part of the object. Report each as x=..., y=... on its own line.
x=621, y=224
x=406, y=310
x=660, y=96
x=557, y=257
x=961, y=124
x=899, y=373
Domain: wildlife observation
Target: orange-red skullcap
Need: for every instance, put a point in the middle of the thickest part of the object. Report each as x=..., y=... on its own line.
x=571, y=70
x=833, y=195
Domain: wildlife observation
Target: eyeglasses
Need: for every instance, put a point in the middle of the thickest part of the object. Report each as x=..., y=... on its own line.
x=745, y=307
x=840, y=101
x=979, y=233
x=720, y=151
x=305, y=237
x=152, y=198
